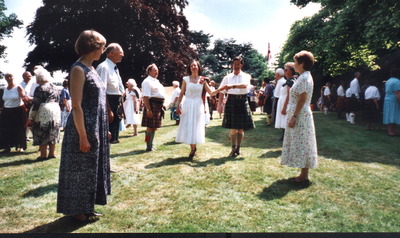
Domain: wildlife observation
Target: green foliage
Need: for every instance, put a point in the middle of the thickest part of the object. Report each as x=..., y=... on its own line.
x=149, y=32
x=7, y=24
x=217, y=59
x=346, y=35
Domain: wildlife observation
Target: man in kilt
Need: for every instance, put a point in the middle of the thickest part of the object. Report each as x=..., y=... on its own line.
x=153, y=98
x=237, y=115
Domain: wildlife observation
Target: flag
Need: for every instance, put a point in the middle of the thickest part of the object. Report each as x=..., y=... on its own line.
x=269, y=53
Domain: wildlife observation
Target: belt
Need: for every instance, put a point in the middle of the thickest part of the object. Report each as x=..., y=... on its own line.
x=237, y=96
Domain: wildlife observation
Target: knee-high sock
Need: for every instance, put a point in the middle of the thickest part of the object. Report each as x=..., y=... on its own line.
x=149, y=139
x=234, y=141
x=239, y=139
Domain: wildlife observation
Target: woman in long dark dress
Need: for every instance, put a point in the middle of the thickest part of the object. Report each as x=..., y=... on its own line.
x=84, y=178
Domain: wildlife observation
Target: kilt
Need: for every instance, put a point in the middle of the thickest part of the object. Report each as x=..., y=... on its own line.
x=371, y=113
x=340, y=104
x=13, y=122
x=326, y=101
x=156, y=105
x=237, y=114
x=354, y=105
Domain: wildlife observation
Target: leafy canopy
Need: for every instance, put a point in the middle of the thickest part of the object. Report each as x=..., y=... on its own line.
x=149, y=31
x=7, y=24
x=346, y=34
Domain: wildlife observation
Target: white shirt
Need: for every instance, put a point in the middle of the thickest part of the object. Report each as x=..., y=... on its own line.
x=327, y=91
x=241, y=78
x=278, y=87
x=348, y=93
x=152, y=88
x=340, y=91
x=11, y=98
x=175, y=94
x=29, y=87
x=372, y=92
x=355, y=87
x=111, y=78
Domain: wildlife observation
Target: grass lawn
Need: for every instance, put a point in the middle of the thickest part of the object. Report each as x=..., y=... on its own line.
x=355, y=189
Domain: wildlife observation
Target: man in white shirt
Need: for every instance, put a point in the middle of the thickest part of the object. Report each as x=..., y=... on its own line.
x=327, y=97
x=173, y=102
x=340, y=101
x=279, y=81
x=153, y=97
x=371, y=104
x=237, y=115
x=29, y=85
x=354, y=101
x=109, y=73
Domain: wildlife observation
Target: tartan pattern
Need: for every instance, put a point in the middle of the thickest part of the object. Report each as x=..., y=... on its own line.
x=237, y=114
x=371, y=113
x=158, y=113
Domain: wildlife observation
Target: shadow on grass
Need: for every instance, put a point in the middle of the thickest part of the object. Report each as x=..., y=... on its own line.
x=38, y=192
x=19, y=162
x=193, y=162
x=272, y=154
x=279, y=189
x=64, y=224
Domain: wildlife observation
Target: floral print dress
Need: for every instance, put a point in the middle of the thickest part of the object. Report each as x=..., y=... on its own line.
x=300, y=146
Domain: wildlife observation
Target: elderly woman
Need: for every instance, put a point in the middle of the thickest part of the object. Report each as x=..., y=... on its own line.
x=391, y=107
x=173, y=102
x=45, y=115
x=131, y=105
x=13, y=117
x=299, y=145
x=281, y=115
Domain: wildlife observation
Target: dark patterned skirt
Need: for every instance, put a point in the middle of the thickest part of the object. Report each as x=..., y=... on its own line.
x=13, y=122
x=237, y=114
x=156, y=105
x=371, y=113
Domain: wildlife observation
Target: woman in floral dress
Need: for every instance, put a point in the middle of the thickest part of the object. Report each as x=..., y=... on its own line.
x=300, y=146
x=45, y=115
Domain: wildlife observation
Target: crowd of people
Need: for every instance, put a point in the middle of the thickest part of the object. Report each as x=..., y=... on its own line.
x=374, y=105
x=94, y=105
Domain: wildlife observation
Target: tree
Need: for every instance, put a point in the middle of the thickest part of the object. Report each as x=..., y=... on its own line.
x=217, y=60
x=7, y=24
x=149, y=31
x=347, y=35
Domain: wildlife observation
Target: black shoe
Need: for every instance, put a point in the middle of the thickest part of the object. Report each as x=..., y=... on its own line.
x=192, y=153
x=51, y=157
x=233, y=153
x=151, y=149
x=237, y=151
x=40, y=158
x=5, y=151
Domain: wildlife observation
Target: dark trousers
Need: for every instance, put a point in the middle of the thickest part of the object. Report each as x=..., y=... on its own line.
x=114, y=101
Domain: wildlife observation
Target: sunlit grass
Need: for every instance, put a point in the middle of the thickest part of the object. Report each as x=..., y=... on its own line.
x=355, y=189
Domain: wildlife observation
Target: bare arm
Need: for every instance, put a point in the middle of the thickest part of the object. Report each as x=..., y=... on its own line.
x=397, y=93
x=77, y=83
x=183, y=89
x=301, y=99
x=212, y=93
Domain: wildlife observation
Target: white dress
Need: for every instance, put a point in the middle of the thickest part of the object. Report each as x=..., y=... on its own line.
x=191, y=128
x=130, y=116
x=280, y=121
